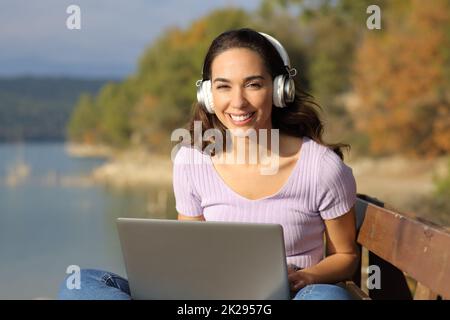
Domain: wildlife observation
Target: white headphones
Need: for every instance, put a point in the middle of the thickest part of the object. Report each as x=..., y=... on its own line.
x=283, y=85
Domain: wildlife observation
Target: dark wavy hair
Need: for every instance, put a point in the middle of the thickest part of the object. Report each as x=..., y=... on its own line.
x=300, y=118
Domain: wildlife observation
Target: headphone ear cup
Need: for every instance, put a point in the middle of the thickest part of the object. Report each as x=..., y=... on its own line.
x=289, y=90
x=283, y=90
x=204, y=96
x=209, y=104
x=278, y=91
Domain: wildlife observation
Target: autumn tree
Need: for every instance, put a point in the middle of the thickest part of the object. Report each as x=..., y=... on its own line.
x=401, y=81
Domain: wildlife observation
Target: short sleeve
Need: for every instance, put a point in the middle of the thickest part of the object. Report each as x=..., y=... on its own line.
x=336, y=188
x=187, y=201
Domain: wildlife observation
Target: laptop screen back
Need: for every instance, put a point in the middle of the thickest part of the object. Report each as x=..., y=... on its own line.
x=170, y=259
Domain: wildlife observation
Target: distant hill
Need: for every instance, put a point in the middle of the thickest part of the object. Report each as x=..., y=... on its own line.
x=37, y=109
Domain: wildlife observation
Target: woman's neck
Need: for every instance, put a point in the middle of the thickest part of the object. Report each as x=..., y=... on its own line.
x=252, y=148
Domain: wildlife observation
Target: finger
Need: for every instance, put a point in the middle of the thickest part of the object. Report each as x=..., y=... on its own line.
x=293, y=276
x=299, y=285
x=292, y=287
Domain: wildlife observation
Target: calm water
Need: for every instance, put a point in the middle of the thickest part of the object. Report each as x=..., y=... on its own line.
x=53, y=216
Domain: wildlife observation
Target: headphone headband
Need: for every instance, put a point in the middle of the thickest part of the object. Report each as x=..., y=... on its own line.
x=280, y=49
x=281, y=52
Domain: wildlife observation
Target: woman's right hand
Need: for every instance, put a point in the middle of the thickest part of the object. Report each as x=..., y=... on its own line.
x=297, y=280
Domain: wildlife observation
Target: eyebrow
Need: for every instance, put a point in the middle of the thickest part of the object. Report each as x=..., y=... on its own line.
x=246, y=79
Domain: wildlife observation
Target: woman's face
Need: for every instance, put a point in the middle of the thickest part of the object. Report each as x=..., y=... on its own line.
x=242, y=90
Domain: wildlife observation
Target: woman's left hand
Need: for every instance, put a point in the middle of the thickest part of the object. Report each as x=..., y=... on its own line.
x=298, y=279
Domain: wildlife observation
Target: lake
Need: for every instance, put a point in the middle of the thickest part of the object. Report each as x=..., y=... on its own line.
x=52, y=215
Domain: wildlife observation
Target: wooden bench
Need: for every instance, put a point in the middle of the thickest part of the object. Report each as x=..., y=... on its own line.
x=413, y=255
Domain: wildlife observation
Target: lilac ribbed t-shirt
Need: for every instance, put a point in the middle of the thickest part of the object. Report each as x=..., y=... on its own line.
x=320, y=187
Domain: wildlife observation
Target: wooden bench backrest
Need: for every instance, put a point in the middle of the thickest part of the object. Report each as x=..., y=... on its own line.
x=399, y=242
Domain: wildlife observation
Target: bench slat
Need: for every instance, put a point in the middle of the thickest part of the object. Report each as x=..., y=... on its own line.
x=424, y=293
x=420, y=249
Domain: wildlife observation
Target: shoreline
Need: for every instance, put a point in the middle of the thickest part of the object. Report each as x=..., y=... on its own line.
x=134, y=168
x=88, y=151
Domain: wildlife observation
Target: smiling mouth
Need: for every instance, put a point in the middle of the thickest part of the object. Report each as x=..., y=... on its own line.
x=242, y=118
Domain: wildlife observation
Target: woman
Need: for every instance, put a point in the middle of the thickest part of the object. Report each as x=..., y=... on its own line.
x=247, y=84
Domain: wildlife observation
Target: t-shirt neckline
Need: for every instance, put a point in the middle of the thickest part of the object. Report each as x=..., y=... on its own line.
x=300, y=160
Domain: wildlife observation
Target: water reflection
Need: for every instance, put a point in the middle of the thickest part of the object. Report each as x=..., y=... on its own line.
x=17, y=173
x=52, y=216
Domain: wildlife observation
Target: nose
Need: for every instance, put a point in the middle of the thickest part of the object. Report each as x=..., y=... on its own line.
x=238, y=99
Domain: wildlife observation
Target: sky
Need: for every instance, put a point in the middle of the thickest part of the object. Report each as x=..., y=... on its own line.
x=34, y=38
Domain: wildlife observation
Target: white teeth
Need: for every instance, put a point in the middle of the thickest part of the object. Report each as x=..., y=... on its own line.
x=241, y=118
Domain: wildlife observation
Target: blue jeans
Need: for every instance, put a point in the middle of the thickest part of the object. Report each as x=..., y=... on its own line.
x=103, y=285
x=323, y=292
x=97, y=285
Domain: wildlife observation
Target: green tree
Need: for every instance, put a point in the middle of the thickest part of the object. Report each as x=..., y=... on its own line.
x=83, y=123
x=114, y=104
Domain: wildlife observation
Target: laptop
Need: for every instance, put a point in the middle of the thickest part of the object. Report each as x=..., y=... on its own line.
x=203, y=260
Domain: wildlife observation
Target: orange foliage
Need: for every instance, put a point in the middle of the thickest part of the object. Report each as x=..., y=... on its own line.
x=190, y=37
x=399, y=77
